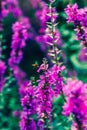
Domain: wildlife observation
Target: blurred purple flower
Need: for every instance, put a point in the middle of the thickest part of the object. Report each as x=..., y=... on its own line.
x=76, y=104
x=11, y=6
x=2, y=72
x=20, y=35
x=27, y=123
x=78, y=17
x=83, y=54
x=16, y=113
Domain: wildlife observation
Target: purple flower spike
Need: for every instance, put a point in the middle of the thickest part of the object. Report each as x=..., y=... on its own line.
x=28, y=103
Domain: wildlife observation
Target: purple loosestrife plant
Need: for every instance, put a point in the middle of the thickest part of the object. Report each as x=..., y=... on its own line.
x=28, y=103
x=50, y=77
x=72, y=13
x=41, y=15
x=38, y=100
x=44, y=96
x=20, y=35
x=56, y=79
x=43, y=38
x=76, y=104
x=78, y=17
x=53, y=52
x=46, y=92
x=52, y=36
x=21, y=32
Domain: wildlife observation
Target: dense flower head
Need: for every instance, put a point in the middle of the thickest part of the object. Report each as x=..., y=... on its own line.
x=44, y=96
x=83, y=16
x=72, y=13
x=78, y=17
x=28, y=103
x=27, y=123
x=2, y=72
x=21, y=28
x=76, y=100
x=20, y=35
x=44, y=92
x=56, y=79
x=49, y=85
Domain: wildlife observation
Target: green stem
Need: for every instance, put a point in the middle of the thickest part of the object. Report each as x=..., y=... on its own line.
x=54, y=46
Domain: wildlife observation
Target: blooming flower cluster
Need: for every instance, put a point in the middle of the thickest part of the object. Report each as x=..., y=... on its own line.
x=76, y=102
x=20, y=35
x=49, y=85
x=50, y=77
x=78, y=17
x=44, y=96
x=21, y=32
x=56, y=79
x=28, y=103
x=72, y=13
